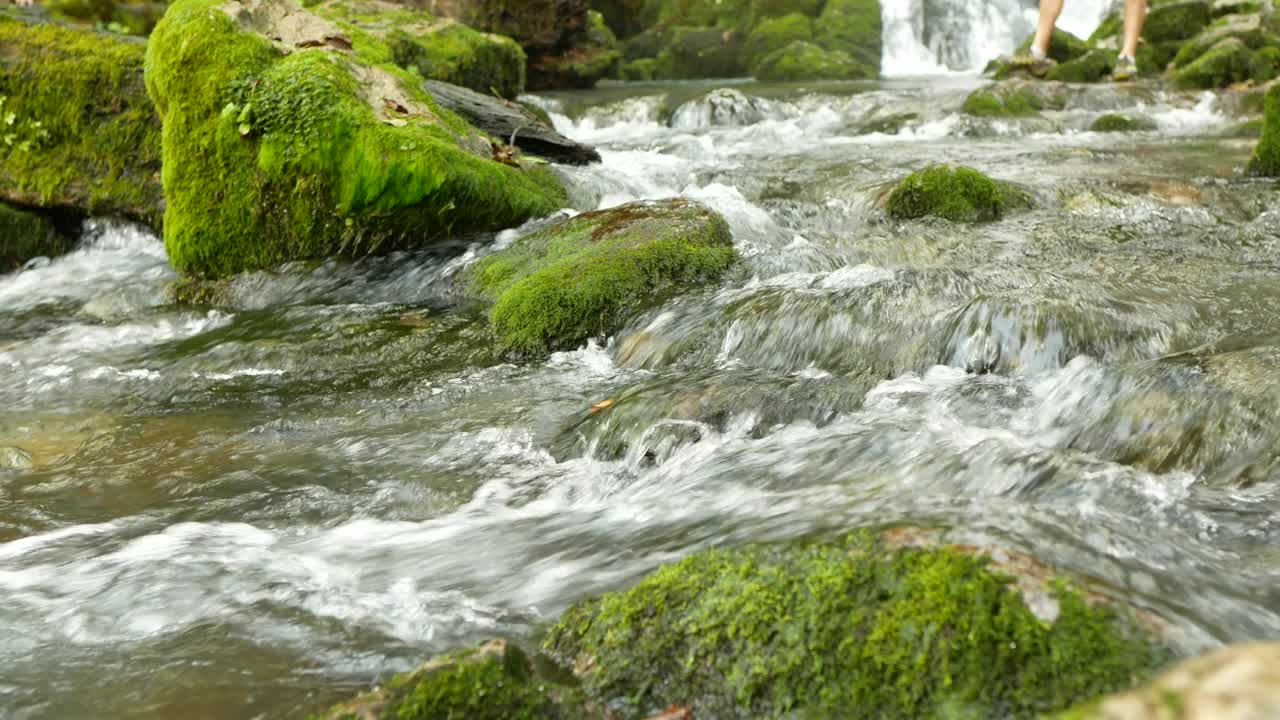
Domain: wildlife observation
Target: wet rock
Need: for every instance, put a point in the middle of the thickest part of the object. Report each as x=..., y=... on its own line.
x=85, y=136
x=1013, y=98
x=512, y=122
x=1229, y=61
x=1240, y=682
x=436, y=48
x=25, y=235
x=805, y=61
x=1088, y=68
x=593, y=56
x=282, y=142
x=587, y=276
x=1063, y=46
x=1175, y=20
x=1248, y=29
x=958, y=194
x=1266, y=156
x=723, y=107
x=1118, y=122
x=13, y=458
x=496, y=681
x=767, y=631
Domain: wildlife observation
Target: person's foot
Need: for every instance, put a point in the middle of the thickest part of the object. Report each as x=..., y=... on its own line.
x=1126, y=69
x=1030, y=63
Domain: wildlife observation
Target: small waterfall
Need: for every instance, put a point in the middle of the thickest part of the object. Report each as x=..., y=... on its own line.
x=923, y=37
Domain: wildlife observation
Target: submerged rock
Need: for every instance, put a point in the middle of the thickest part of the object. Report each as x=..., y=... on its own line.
x=1012, y=98
x=25, y=235
x=585, y=277
x=1118, y=122
x=866, y=625
x=512, y=122
x=496, y=681
x=1240, y=682
x=1266, y=156
x=281, y=143
x=959, y=194
x=84, y=135
x=436, y=48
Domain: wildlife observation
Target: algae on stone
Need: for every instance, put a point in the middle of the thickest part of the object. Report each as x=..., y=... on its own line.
x=25, y=235
x=1003, y=100
x=959, y=194
x=1088, y=68
x=587, y=276
x=84, y=133
x=1266, y=156
x=806, y=61
x=850, y=628
x=294, y=147
x=1118, y=122
x=1230, y=61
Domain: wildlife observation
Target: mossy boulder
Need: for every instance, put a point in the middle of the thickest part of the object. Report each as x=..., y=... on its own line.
x=1248, y=29
x=1178, y=20
x=701, y=53
x=1063, y=46
x=857, y=627
x=594, y=55
x=496, y=681
x=801, y=61
x=25, y=235
x=281, y=143
x=774, y=34
x=1228, y=62
x=1119, y=122
x=1088, y=68
x=1238, y=682
x=136, y=17
x=1266, y=156
x=853, y=27
x=83, y=133
x=1154, y=58
x=1006, y=100
x=587, y=276
x=959, y=194
x=435, y=48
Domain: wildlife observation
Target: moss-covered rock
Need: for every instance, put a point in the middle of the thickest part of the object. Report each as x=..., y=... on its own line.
x=1230, y=61
x=851, y=628
x=1248, y=29
x=805, y=61
x=773, y=35
x=1154, y=58
x=701, y=53
x=762, y=10
x=1063, y=46
x=639, y=70
x=1178, y=20
x=1118, y=122
x=958, y=194
x=594, y=55
x=586, y=277
x=1002, y=100
x=496, y=681
x=1266, y=156
x=25, y=235
x=83, y=133
x=435, y=48
x=853, y=27
x=295, y=147
x=136, y=17
x=1238, y=682
x=1088, y=68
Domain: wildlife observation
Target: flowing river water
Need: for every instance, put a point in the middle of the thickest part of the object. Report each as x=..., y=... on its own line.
x=255, y=510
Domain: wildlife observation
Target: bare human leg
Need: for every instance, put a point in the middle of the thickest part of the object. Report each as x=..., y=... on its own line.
x=1135, y=14
x=1049, y=12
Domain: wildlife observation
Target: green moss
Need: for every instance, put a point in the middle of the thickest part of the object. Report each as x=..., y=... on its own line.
x=959, y=194
x=730, y=15
x=496, y=681
x=639, y=70
x=582, y=66
x=762, y=10
x=1154, y=58
x=1116, y=122
x=136, y=17
x=853, y=27
x=586, y=277
x=1248, y=29
x=700, y=53
x=84, y=133
x=1247, y=129
x=1266, y=156
x=1176, y=20
x=270, y=157
x=774, y=34
x=25, y=235
x=1227, y=62
x=1063, y=46
x=1088, y=68
x=1002, y=101
x=846, y=628
x=806, y=61
x=1267, y=63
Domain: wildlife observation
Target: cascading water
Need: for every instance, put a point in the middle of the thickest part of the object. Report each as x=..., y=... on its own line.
x=925, y=37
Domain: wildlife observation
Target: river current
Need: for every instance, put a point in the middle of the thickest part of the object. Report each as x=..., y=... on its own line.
x=258, y=509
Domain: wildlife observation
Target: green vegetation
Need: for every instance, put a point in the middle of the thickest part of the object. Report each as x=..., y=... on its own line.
x=496, y=681
x=585, y=277
x=79, y=130
x=1117, y=122
x=1063, y=46
x=999, y=101
x=1266, y=156
x=774, y=34
x=806, y=61
x=958, y=194
x=853, y=27
x=24, y=235
x=1229, y=61
x=270, y=157
x=1090, y=67
x=847, y=628
x=596, y=56
x=1176, y=20
x=136, y=17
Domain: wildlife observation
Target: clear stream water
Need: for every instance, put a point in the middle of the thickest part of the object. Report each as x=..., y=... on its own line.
x=253, y=511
